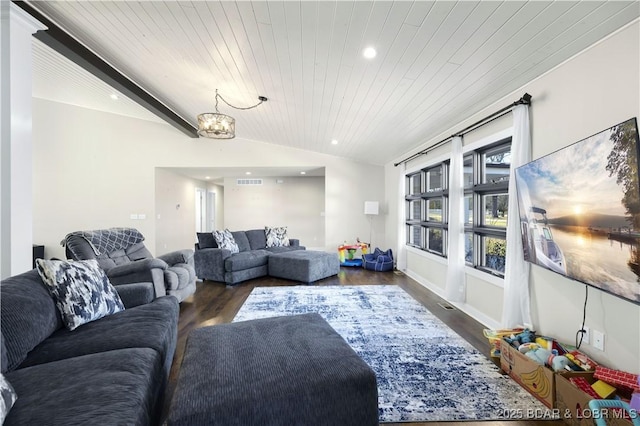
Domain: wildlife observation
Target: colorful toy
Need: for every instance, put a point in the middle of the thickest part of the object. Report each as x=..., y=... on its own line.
x=526, y=347
x=347, y=253
x=544, y=357
x=603, y=389
x=526, y=336
x=582, y=384
x=619, y=378
x=635, y=398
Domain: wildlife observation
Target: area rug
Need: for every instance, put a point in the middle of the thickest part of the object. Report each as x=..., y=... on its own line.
x=425, y=371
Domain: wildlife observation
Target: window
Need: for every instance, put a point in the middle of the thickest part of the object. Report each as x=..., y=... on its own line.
x=486, y=205
x=427, y=209
x=489, y=192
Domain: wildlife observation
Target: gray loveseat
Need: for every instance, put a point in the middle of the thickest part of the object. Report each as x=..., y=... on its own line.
x=109, y=371
x=216, y=264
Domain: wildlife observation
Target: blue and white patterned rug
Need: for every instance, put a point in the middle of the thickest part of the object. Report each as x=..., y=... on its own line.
x=425, y=371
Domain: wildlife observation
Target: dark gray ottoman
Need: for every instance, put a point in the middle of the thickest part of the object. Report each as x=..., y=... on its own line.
x=304, y=265
x=273, y=371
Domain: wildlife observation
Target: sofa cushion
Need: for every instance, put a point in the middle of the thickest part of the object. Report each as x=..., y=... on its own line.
x=241, y=240
x=81, y=290
x=284, y=249
x=109, y=388
x=277, y=236
x=257, y=239
x=28, y=316
x=153, y=325
x=246, y=260
x=206, y=240
x=7, y=397
x=225, y=240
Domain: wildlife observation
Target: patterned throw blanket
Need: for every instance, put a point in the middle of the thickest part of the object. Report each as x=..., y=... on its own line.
x=109, y=240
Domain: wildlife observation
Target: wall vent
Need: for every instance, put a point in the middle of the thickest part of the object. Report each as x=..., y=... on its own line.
x=249, y=182
x=446, y=306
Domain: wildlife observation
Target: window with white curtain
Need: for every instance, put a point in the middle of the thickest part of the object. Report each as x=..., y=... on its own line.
x=486, y=195
x=427, y=203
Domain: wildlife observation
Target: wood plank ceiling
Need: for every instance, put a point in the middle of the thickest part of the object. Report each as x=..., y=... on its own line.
x=437, y=62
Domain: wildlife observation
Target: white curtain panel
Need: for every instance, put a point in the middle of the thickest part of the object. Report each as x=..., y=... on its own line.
x=455, y=286
x=516, y=302
x=401, y=251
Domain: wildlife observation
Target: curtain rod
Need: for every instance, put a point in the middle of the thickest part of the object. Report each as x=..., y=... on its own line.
x=524, y=100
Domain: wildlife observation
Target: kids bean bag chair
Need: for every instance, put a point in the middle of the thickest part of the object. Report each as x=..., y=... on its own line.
x=378, y=260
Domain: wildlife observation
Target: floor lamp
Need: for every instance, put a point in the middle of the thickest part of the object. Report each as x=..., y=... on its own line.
x=371, y=209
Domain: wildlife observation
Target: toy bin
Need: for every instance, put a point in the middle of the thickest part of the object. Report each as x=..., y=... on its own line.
x=495, y=337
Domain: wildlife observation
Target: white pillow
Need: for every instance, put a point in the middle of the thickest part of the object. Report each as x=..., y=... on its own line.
x=81, y=290
x=7, y=398
x=276, y=236
x=225, y=240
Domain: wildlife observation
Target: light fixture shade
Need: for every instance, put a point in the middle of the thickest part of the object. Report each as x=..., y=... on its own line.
x=216, y=126
x=371, y=207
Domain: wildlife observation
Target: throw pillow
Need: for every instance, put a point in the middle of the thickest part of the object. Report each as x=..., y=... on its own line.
x=206, y=240
x=7, y=398
x=225, y=240
x=276, y=237
x=81, y=290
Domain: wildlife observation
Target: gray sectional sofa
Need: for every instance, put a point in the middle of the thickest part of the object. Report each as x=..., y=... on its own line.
x=215, y=264
x=109, y=371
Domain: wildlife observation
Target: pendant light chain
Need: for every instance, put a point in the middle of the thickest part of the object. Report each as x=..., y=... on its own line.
x=261, y=98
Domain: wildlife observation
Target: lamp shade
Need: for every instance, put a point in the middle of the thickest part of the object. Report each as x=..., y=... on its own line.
x=216, y=126
x=371, y=207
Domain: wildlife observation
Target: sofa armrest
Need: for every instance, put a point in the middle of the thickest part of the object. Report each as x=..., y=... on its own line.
x=209, y=263
x=294, y=242
x=179, y=256
x=135, y=294
x=145, y=270
x=136, y=267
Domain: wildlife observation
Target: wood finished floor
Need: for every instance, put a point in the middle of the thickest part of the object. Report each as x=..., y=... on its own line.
x=215, y=303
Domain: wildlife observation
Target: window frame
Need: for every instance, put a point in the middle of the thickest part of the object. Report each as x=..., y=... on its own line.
x=428, y=194
x=480, y=231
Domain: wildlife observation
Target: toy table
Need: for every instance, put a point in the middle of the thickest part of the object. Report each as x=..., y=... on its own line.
x=348, y=251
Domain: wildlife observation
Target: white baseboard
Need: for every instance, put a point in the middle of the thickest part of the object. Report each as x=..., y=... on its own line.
x=464, y=307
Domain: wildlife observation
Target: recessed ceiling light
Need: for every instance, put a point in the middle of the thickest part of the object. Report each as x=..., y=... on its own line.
x=247, y=173
x=114, y=96
x=207, y=177
x=369, y=52
x=334, y=142
x=303, y=173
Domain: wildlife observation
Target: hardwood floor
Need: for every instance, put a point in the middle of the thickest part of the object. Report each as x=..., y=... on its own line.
x=215, y=303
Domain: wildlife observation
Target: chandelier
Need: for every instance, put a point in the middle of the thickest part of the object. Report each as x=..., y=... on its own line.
x=215, y=125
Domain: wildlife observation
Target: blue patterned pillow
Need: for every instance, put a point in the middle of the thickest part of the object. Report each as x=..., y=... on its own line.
x=276, y=237
x=81, y=290
x=7, y=398
x=225, y=240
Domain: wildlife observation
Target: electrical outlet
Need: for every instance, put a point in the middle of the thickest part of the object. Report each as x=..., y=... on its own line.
x=585, y=335
x=598, y=340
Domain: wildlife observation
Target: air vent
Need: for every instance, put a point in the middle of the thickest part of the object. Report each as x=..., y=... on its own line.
x=249, y=182
x=446, y=306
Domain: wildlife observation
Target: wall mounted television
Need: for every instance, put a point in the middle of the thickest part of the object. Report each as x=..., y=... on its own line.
x=580, y=211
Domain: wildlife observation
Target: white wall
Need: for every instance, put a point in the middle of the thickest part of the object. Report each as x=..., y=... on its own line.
x=297, y=203
x=175, y=210
x=94, y=169
x=218, y=190
x=591, y=92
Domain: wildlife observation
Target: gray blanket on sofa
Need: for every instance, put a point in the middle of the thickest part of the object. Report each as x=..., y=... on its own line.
x=108, y=240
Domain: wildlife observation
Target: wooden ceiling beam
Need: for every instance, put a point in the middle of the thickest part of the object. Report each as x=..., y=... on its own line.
x=60, y=41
